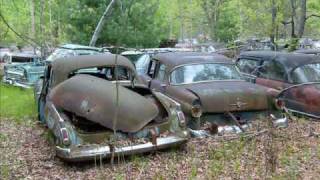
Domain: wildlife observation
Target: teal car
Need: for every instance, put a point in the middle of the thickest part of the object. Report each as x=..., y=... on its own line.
x=22, y=69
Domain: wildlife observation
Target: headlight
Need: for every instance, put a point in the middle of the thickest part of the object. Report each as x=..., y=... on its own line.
x=196, y=111
x=280, y=104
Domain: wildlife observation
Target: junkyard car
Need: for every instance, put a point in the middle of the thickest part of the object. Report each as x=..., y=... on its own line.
x=209, y=89
x=22, y=69
x=295, y=76
x=78, y=103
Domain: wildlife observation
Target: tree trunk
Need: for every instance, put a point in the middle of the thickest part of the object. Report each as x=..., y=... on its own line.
x=33, y=24
x=99, y=27
x=273, y=19
x=302, y=17
x=293, y=14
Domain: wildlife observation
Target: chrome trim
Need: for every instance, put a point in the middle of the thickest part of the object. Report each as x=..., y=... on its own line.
x=303, y=113
x=92, y=152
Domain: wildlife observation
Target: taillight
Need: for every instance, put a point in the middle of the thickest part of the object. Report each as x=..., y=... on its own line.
x=182, y=119
x=196, y=111
x=279, y=104
x=65, y=136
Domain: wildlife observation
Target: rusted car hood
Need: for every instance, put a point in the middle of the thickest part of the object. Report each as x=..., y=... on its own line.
x=222, y=96
x=95, y=99
x=303, y=98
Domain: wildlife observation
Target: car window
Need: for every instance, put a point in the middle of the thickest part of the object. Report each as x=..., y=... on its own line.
x=306, y=73
x=248, y=66
x=272, y=70
x=161, y=72
x=142, y=64
x=204, y=72
x=108, y=73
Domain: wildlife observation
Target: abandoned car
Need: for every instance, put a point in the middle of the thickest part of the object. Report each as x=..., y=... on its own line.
x=210, y=90
x=295, y=76
x=22, y=69
x=97, y=107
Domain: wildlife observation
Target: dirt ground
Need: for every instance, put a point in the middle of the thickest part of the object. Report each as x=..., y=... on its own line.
x=292, y=153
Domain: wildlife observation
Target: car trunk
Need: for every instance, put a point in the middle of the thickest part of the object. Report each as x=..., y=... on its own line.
x=223, y=96
x=90, y=103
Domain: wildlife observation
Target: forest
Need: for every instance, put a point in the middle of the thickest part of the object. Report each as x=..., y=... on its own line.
x=145, y=23
x=117, y=89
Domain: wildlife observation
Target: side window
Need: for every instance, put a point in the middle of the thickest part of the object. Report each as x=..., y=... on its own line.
x=161, y=72
x=272, y=70
x=248, y=66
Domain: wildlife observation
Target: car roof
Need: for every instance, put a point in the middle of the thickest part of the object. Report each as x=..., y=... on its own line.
x=78, y=47
x=174, y=59
x=289, y=60
x=62, y=67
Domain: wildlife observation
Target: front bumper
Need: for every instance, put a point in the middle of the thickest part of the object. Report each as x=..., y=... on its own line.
x=91, y=152
x=17, y=83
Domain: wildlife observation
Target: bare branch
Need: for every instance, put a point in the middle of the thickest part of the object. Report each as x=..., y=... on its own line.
x=312, y=15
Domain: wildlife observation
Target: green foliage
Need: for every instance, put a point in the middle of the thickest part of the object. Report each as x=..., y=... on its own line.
x=16, y=103
x=144, y=23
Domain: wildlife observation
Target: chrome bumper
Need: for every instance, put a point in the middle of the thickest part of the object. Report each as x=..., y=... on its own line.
x=234, y=129
x=18, y=84
x=85, y=153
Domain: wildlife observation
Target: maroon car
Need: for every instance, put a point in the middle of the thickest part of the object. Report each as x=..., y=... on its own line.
x=210, y=89
x=295, y=76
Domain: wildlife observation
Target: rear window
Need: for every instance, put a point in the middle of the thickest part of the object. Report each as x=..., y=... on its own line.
x=108, y=73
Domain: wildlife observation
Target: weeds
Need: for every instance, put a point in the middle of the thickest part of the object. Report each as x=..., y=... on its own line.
x=16, y=103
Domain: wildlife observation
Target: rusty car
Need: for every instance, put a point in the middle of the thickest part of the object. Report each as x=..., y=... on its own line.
x=210, y=90
x=295, y=77
x=96, y=107
x=22, y=69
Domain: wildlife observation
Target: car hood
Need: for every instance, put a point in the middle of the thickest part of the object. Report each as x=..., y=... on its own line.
x=95, y=99
x=223, y=96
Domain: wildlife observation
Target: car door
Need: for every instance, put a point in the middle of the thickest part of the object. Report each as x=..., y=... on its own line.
x=158, y=81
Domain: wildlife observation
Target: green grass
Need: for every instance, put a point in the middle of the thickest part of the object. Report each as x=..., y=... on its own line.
x=16, y=103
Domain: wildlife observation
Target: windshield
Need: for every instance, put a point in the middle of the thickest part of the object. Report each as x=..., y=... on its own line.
x=19, y=59
x=306, y=73
x=204, y=72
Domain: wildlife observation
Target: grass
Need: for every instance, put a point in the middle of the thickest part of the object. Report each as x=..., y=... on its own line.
x=16, y=103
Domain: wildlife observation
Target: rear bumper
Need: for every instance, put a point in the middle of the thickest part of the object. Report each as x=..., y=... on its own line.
x=90, y=152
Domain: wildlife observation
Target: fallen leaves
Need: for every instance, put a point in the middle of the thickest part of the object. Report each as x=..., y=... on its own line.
x=26, y=153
